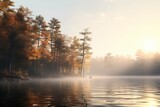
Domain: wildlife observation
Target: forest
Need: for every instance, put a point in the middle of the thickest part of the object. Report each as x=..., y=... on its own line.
x=30, y=46
x=142, y=64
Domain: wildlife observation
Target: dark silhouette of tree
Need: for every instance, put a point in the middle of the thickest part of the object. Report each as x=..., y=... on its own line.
x=85, y=48
x=54, y=26
x=15, y=38
x=32, y=45
x=74, y=54
x=59, y=48
x=42, y=40
x=7, y=19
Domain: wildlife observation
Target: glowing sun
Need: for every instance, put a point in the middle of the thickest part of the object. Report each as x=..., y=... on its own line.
x=149, y=45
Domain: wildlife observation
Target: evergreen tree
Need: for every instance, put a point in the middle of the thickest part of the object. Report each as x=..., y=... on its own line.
x=85, y=49
x=54, y=26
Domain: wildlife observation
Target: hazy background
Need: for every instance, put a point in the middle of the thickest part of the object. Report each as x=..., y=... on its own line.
x=118, y=26
x=120, y=29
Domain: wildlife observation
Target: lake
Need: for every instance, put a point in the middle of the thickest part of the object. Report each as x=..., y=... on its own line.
x=89, y=92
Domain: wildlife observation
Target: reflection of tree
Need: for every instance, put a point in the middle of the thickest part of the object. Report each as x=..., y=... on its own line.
x=82, y=93
x=12, y=95
x=66, y=93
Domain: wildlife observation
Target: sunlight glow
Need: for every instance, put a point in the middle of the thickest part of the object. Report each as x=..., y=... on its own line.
x=152, y=103
x=149, y=45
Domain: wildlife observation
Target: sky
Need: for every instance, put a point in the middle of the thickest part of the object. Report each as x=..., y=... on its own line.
x=120, y=27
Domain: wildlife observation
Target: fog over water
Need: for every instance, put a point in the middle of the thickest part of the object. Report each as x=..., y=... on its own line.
x=48, y=53
x=69, y=92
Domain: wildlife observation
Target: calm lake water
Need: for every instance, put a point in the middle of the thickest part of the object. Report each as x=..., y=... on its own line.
x=95, y=92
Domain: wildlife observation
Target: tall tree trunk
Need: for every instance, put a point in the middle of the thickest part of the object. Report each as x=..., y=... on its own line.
x=38, y=50
x=11, y=51
x=82, y=63
x=52, y=54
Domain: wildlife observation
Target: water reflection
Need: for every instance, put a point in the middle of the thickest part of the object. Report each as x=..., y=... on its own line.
x=97, y=92
x=126, y=92
x=45, y=93
x=58, y=93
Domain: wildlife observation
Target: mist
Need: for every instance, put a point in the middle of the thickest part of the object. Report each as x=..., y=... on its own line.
x=142, y=64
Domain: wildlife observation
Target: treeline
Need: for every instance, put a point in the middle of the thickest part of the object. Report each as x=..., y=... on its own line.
x=31, y=45
x=144, y=63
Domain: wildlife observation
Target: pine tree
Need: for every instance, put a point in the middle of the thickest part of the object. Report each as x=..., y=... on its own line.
x=85, y=49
